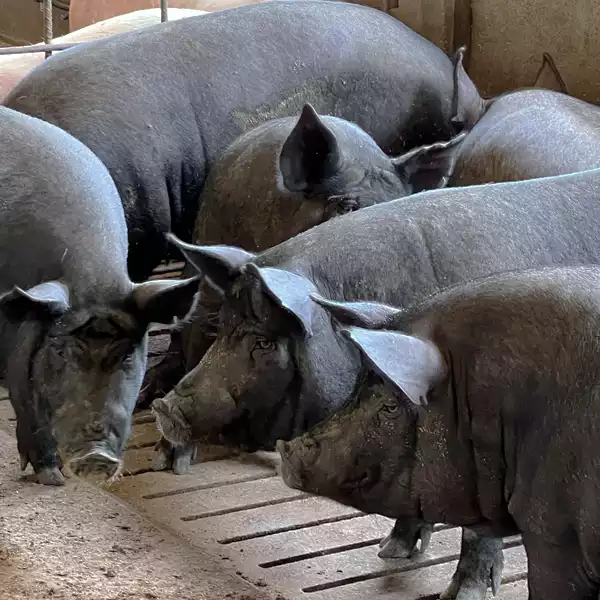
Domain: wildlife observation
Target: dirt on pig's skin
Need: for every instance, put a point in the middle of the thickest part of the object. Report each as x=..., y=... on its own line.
x=79, y=543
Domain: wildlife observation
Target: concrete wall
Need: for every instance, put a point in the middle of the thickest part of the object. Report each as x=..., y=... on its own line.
x=86, y=12
x=21, y=22
x=507, y=39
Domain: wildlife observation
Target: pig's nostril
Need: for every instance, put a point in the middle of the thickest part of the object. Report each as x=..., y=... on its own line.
x=95, y=463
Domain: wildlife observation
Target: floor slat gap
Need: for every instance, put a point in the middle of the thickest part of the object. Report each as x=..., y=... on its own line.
x=328, y=585
x=237, y=509
x=297, y=527
x=208, y=486
x=334, y=550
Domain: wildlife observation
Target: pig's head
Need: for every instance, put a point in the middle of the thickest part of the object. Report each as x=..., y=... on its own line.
x=364, y=455
x=334, y=163
x=75, y=371
x=276, y=367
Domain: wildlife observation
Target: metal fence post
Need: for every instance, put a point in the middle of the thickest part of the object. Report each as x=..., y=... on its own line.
x=164, y=10
x=48, y=25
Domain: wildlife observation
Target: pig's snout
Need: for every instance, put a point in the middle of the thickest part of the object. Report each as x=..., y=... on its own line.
x=182, y=419
x=289, y=471
x=297, y=457
x=98, y=462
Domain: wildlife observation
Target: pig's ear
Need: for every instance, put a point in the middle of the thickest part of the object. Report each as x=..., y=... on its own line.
x=549, y=77
x=218, y=263
x=370, y=315
x=288, y=290
x=310, y=154
x=46, y=299
x=429, y=167
x=467, y=104
x=162, y=300
x=409, y=363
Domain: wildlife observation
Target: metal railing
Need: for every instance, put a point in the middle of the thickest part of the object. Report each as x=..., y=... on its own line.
x=48, y=47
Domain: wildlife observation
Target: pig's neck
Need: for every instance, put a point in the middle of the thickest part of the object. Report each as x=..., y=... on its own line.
x=458, y=479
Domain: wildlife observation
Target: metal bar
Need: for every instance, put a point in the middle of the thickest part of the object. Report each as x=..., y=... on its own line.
x=48, y=25
x=164, y=11
x=38, y=48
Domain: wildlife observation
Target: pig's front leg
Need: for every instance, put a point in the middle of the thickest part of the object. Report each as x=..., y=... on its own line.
x=167, y=456
x=479, y=567
x=36, y=446
x=402, y=540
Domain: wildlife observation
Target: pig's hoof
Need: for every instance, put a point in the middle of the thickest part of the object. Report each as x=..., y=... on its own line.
x=465, y=587
x=182, y=459
x=393, y=548
x=24, y=460
x=178, y=458
x=401, y=546
x=50, y=476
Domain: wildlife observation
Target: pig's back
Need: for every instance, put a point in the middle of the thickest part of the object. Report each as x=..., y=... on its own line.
x=196, y=63
x=404, y=250
x=528, y=134
x=60, y=214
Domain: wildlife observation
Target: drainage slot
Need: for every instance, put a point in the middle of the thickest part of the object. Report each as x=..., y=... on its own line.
x=208, y=486
x=228, y=511
x=141, y=445
x=505, y=581
x=143, y=419
x=305, y=525
x=308, y=555
x=335, y=550
x=514, y=578
x=329, y=585
x=138, y=472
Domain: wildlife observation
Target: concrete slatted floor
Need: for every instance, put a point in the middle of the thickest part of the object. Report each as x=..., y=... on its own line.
x=293, y=546
x=285, y=541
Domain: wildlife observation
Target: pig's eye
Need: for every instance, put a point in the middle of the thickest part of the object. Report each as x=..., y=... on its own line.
x=265, y=345
x=391, y=409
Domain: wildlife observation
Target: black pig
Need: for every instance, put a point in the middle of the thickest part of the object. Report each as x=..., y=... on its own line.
x=277, y=366
x=158, y=106
x=478, y=407
x=72, y=324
